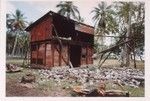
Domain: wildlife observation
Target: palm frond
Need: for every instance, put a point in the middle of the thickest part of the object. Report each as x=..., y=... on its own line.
x=67, y=9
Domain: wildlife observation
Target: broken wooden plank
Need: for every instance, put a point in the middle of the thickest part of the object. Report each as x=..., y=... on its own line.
x=10, y=68
x=114, y=47
x=100, y=93
x=104, y=59
x=116, y=93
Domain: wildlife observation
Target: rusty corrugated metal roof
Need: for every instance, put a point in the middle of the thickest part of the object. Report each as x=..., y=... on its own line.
x=50, y=13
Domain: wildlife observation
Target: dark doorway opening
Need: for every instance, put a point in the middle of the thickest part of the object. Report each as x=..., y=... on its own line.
x=75, y=55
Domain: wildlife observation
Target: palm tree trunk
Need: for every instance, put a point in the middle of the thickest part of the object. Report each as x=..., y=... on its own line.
x=15, y=44
x=102, y=43
x=127, y=51
x=122, y=56
x=102, y=39
x=134, y=55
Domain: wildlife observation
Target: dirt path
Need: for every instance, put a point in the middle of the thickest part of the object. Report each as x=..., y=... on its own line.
x=14, y=88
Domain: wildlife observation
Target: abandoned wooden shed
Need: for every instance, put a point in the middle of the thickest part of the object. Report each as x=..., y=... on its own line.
x=57, y=40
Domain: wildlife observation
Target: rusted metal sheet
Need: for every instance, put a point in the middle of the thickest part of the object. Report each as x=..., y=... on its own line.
x=41, y=54
x=32, y=33
x=48, y=28
x=49, y=55
x=89, y=55
x=64, y=58
x=34, y=54
x=84, y=28
x=64, y=26
x=56, y=55
x=78, y=49
x=86, y=55
x=42, y=30
x=83, y=37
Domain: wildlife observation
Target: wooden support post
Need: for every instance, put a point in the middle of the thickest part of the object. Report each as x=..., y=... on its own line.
x=52, y=46
x=60, y=55
x=45, y=54
x=25, y=60
x=101, y=58
x=86, y=55
x=105, y=59
x=37, y=46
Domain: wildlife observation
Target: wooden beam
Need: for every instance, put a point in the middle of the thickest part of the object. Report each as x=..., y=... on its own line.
x=134, y=37
x=110, y=36
x=63, y=41
x=114, y=47
x=105, y=59
x=70, y=64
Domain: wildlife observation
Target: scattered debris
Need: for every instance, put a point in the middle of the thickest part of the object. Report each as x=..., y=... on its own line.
x=92, y=75
x=102, y=89
x=28, y=78
x=81, y=91
x=99, y=92
x=27, y=85
x=10, y=68
x=92, y=81
x=116, y=93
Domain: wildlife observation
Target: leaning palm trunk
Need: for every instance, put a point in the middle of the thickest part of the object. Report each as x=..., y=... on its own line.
x=122, y=57
x=102, y=43
x=127, y=39
x=15, y=44
x=100, y=39
x=126, y=51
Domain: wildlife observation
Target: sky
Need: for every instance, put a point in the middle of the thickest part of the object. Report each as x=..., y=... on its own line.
x=33, y=10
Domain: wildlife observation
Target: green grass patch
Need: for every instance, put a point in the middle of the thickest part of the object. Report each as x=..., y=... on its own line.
x=15, y=61
x=134, y=92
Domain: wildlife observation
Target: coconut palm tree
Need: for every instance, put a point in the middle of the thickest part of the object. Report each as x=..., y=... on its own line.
x=126, y=12
x=18, y=26
x=9, y=22
x=104, y=20
x=137, y=31
x=68, y=9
